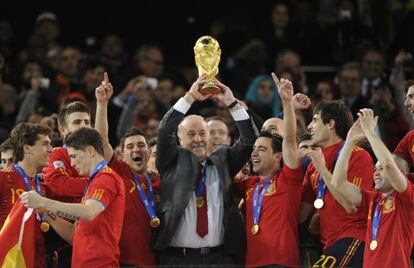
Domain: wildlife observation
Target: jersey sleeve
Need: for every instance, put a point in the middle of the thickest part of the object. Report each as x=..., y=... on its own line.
x=361, y=169
x=293, y=177
x=308, y=195
x=103, y=188
x=366, y=198
x=408, y=195
x=58, y=179
x=404, y=147
x=118, y=166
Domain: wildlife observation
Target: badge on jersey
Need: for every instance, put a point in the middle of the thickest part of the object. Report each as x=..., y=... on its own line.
x=389, y=205
x=58, y=164
x=272, y=189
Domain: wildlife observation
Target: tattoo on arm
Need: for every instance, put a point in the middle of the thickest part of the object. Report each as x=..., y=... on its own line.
x=67, y=215
x=51, y=215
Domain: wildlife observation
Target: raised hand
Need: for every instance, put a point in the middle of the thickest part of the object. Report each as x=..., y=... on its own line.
x=301, y=101
x=226, y=96
x=367, y=120
x=355, y=133
x=318, y=159
x=285, y=88
x=194, y=92
x=104, y=92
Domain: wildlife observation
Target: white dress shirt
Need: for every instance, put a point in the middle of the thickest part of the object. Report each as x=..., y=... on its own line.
x=186, y=234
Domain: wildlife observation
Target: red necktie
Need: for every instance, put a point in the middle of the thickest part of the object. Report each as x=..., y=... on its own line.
x=202, y=218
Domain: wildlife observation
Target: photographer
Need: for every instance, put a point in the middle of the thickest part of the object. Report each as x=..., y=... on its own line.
x=137, y=103
x=36, y=91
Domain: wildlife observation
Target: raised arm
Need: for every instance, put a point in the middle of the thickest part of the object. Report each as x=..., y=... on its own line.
x=289, y=148
x=318, y=161
x=384, y=156
x=350, y=192
x=240, y=151
x=103, y=94
x=167, y=146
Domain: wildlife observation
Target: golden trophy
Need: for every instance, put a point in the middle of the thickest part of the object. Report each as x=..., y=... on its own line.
x=207, y=54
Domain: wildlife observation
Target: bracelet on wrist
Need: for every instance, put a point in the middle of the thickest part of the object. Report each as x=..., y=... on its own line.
x=234, y=103
x=191, y=95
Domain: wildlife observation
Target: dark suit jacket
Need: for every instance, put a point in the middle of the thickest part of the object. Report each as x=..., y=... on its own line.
x=178, y=169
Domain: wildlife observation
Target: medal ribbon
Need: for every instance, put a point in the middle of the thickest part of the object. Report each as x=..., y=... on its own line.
x=200, y=187
x=95, y=171
x=29, y=186
x=258, y=200
x=149, y=204
x=321, y=184
x=376, y=219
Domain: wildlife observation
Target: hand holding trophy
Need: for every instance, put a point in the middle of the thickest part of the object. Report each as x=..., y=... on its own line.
x=207, y=58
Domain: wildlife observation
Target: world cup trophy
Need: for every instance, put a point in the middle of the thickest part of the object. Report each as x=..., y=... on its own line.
x=207, y=54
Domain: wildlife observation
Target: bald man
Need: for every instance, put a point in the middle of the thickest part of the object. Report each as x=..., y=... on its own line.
x=196, y=211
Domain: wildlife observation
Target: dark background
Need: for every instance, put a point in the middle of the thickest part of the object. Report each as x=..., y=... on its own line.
x=175, y=25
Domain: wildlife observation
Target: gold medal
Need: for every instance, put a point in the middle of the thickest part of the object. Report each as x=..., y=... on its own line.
x=155, y=222
x=44, y=226
x=318, y=204
x=255, y=229
x=199, y=201
x=373, y=245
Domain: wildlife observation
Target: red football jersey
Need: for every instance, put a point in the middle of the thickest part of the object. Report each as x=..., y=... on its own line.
x=11, y=187
x=96, y=242
x=335, y=222
x=62, y=179
x=405, y=148
x=277, y=240
x=136, y=222
x=396, y=229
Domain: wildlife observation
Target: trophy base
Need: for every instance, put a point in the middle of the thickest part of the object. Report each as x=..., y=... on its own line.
x=210, y=88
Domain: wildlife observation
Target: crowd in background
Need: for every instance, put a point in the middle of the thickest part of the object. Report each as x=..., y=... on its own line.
x=331, y=50
x=367, y=67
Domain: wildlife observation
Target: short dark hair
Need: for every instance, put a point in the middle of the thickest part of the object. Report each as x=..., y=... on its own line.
x=304, y=136
x=276, y=140
x=335, y=110
x=218, y=118
x=408, y=84
x=84, y=137
x=133, y=131
x=25, y=134
x=6, y=145
x=71, y=108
